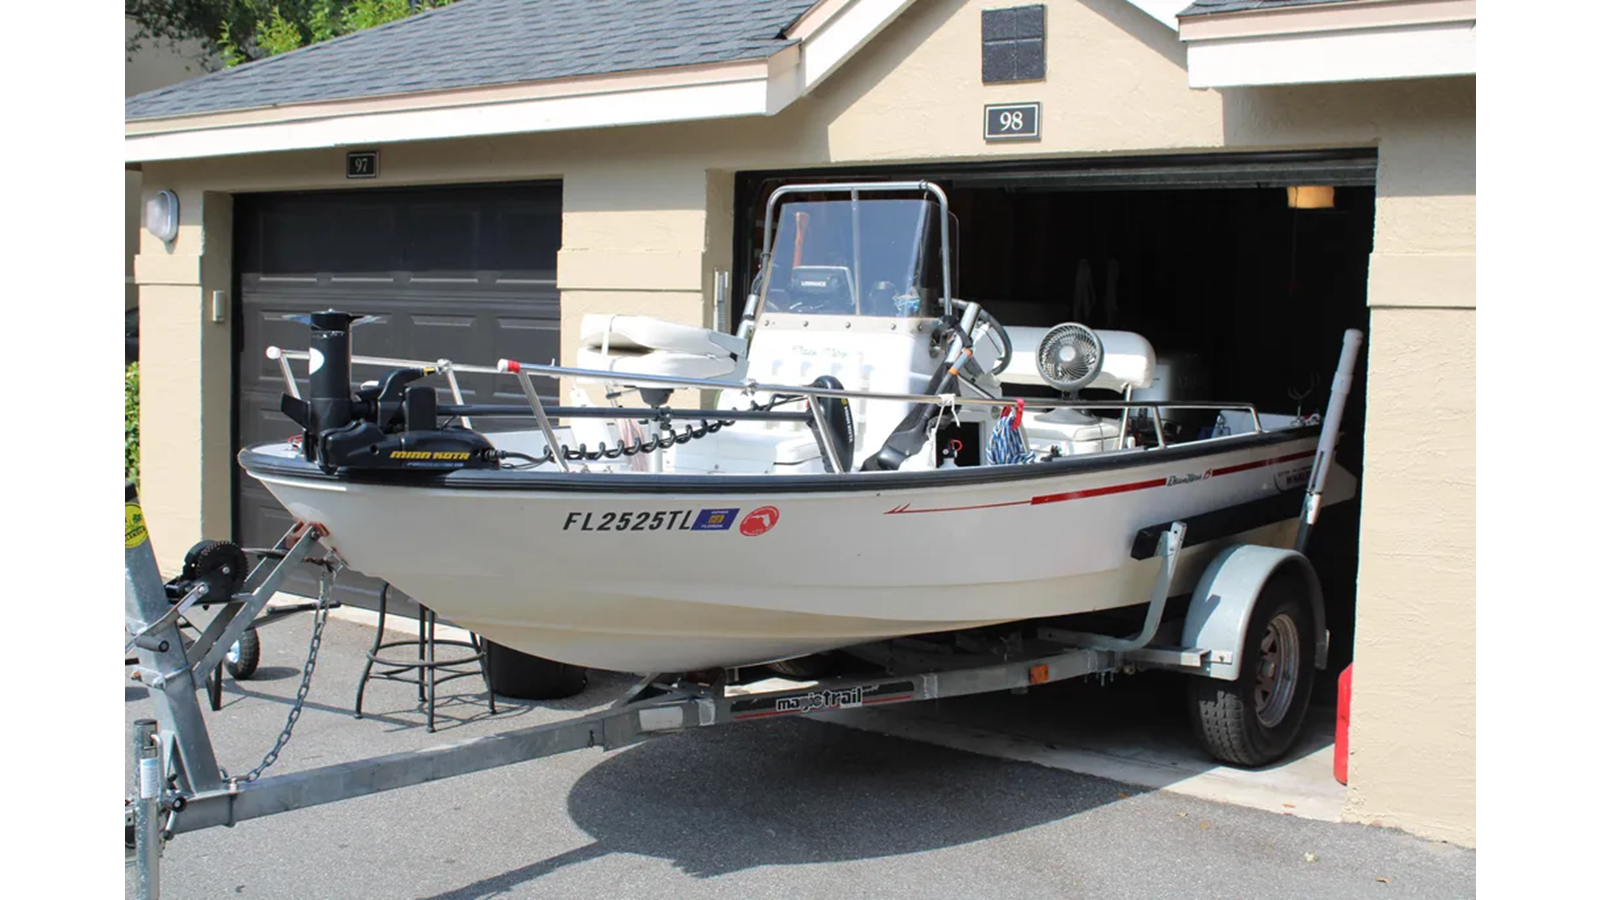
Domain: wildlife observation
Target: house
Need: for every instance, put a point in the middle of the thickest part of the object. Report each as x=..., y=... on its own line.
x=153, y=66
x=1239, y=180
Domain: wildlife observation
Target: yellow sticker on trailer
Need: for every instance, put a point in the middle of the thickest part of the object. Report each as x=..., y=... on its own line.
x=136, y=533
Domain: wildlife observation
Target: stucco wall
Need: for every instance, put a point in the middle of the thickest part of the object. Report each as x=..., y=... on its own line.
x=1413, y=725
x=186, y=378
x=154, y=66
x=648, y=218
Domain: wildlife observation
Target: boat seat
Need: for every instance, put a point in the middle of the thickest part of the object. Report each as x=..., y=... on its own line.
x=645, y=345
x=1129, y=359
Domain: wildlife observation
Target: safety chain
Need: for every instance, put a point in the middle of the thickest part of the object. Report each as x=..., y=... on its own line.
x=660, y=442
x=324, y=594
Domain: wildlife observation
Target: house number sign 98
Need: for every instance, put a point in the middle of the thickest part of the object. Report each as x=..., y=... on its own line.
x=1011, y=122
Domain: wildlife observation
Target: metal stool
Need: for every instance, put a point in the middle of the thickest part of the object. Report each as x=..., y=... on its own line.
x=428, y=671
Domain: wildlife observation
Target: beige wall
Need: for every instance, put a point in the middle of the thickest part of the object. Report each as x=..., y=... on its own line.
x=1413, y=729
x=648, y=217
x=186, y=378
x=154, y=66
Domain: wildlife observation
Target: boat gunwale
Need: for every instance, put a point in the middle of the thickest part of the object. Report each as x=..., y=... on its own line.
x=257, y=463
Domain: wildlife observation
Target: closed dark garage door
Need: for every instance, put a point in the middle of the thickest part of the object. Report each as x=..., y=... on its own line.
x=461, y=273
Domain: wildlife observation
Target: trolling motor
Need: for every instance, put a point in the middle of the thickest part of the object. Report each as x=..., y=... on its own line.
x=393, y=425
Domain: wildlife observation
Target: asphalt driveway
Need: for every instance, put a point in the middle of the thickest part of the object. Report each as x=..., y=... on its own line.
x=792, y=808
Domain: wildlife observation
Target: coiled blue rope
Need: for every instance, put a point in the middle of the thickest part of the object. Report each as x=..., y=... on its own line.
x=1006, y=446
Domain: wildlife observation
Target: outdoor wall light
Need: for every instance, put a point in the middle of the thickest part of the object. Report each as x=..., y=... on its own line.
x=161, y=215
x=1311, y=198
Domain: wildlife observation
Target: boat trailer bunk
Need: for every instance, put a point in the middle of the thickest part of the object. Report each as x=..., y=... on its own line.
x=181, y=788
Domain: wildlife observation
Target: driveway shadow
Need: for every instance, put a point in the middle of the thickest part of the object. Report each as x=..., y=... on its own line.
x=816, y=794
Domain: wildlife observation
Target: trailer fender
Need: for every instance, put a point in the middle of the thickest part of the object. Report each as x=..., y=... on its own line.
x=1225, y=596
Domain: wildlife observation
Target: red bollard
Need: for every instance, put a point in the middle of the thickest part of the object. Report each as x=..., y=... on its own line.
x=1341, y=733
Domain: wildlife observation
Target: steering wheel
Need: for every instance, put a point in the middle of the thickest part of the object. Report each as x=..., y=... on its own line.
x=992, y=328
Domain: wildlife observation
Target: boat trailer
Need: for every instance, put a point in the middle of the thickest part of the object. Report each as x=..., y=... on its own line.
x=180, y=786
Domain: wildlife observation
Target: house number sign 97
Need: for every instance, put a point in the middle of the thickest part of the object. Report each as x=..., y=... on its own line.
x=361, y=164
x=1011, y=122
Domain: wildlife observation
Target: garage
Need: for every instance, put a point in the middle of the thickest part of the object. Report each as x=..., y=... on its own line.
x=1245, y=294
x=464, y=273
x=1142, y=183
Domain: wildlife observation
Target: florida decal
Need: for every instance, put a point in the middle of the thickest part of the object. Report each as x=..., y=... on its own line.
x=759, y=521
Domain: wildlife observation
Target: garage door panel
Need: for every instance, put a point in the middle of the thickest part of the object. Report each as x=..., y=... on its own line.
x=443, y=237
x=466, y=274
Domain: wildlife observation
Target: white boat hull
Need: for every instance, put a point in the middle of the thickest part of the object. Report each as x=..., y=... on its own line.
x=655, y=580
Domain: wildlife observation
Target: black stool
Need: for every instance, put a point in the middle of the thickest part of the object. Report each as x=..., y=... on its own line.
x=428, y=672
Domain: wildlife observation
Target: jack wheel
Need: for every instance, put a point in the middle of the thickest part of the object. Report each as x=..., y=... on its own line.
x=1256, y=719
x=244, y=657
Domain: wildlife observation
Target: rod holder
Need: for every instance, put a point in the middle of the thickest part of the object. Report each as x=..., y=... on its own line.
x=1328, y=441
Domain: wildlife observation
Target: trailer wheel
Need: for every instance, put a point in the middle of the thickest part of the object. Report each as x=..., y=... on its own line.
x=244, y=657
x=1256, y=719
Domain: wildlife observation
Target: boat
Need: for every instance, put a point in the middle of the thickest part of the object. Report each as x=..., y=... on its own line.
x=867, y=458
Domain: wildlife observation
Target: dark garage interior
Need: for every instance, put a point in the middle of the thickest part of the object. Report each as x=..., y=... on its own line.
x=1205, y=259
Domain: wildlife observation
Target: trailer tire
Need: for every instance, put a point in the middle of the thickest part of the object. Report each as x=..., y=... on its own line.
x=522, y=676
x=1256, y=719
x=244, y=657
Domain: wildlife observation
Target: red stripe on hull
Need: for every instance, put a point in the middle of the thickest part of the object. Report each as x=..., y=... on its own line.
x=1103, y=491
x=1229, y=470
x=1099, y=492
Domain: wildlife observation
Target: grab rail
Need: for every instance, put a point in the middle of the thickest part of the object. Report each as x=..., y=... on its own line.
x=523, y=371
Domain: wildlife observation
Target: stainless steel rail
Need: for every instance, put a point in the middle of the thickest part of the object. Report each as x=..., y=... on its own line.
x=524, y=371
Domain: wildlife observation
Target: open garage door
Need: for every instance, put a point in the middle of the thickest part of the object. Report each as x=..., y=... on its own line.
x=1244, y=295
x=462, y=273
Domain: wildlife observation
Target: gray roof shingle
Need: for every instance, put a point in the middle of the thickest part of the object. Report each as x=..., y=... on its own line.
x=471, y=43
x=1207, y=7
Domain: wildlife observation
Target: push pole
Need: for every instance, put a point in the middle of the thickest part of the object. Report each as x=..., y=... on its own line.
x=1338, y=394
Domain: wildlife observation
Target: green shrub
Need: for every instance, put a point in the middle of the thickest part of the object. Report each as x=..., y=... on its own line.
x=130, y=423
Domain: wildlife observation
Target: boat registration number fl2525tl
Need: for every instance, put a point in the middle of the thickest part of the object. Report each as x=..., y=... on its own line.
x=652, y=520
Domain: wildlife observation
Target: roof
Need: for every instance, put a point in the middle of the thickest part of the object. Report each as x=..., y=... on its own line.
x=474, y=43
x=1207, y=7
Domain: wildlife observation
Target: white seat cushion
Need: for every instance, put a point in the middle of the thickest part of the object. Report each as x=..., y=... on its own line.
x=663, y=363
x=1129, y=359
x=603, y=332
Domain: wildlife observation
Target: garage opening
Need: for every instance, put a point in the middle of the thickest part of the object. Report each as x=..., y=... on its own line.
x=1243, y=294
x=466, y=273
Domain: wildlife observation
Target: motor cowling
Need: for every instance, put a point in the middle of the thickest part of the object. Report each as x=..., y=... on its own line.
x=363, y=445
x=391, y=425
x=838, y=420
